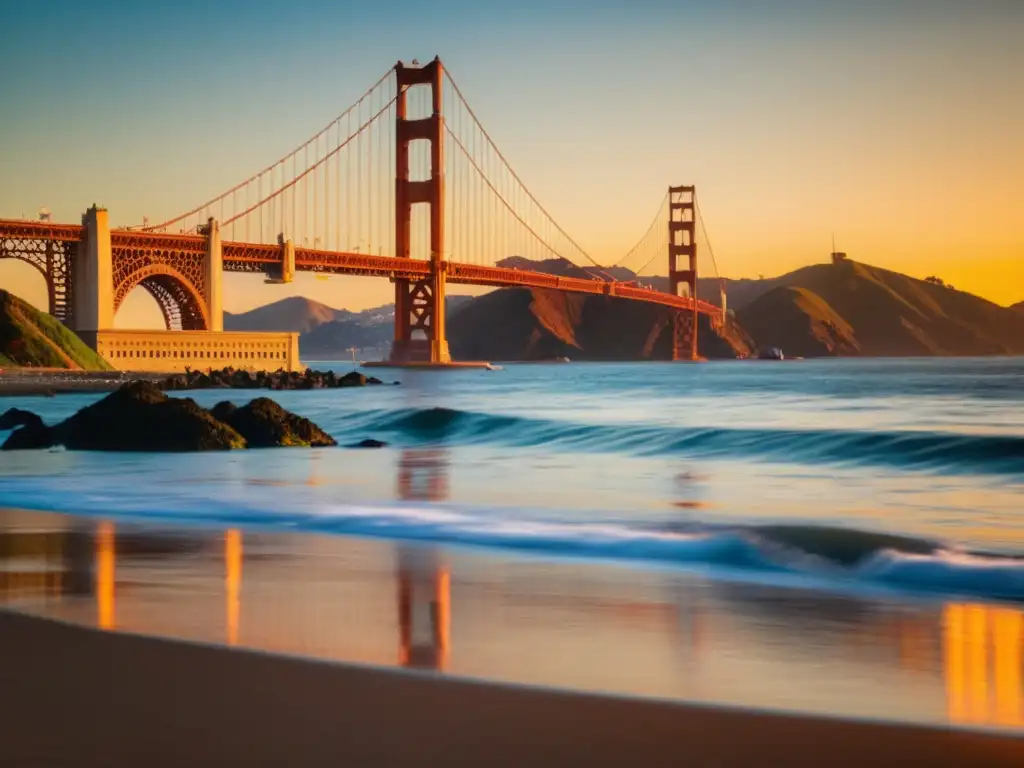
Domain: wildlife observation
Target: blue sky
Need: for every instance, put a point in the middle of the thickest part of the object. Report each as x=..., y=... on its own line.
x=898, y=125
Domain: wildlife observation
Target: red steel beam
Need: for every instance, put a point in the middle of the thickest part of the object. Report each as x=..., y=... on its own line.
x=249, y=257
x=14, y=229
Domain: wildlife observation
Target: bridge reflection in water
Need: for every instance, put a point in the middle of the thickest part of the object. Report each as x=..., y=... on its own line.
x=424, y=583
x=967, y=658
x=983, y=664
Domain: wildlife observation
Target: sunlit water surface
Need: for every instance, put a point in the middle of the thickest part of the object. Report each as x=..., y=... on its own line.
x=839, y=536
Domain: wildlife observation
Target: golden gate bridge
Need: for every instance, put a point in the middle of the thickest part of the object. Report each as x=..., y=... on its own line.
x=405, y=184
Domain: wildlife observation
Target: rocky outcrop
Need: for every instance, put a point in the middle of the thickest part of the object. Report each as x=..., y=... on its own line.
x=369, y=443
x=231, y=378
x=264, y=424
x=29, y=430
x=140, y=417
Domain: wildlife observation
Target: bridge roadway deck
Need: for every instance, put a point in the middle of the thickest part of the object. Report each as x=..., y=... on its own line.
x=268, y=258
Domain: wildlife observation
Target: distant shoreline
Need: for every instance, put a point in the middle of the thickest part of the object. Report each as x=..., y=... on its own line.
x=53, y=381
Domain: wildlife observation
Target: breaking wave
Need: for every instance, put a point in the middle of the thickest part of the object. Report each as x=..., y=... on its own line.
x=919, y=450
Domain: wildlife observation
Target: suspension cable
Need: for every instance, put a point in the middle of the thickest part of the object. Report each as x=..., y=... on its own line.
x=255, y=176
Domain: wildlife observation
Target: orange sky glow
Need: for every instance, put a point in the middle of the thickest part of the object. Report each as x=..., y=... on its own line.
x=897, y=132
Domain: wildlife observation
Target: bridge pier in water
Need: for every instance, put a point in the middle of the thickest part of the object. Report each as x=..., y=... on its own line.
x=420, y=304
x=682, y=279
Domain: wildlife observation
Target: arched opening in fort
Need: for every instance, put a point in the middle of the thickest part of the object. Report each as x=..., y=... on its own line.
x=25, y=280
x=178, y=305
x=140, y=311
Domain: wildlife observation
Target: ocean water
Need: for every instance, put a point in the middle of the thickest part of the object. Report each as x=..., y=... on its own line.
x=892, y=479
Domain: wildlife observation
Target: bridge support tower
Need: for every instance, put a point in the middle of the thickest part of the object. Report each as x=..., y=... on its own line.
x=92, y=276
x=682, y=277
x=419, y=304
x=214, y=278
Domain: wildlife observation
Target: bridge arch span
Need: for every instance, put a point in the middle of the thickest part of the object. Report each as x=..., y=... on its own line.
x=26, y=279
x=27, y=258
x=180, y=302
x=51, y=259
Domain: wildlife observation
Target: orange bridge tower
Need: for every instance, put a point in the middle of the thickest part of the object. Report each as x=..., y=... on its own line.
x=419, y=304
x=682, y=278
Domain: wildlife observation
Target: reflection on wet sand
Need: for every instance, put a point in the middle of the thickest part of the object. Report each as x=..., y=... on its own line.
x=573, y=625
x=233, y=581
x=106, y=575
x=424, y=614
x=983, y=664
x=423, y=474
x=424, y=586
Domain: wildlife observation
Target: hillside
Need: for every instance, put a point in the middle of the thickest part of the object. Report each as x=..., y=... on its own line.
x=541, y=324
x=799, y=322
x=854, y=308
x=29, y=337
x=1018, y=307
x=847, y=308
x=296, y=313
x=740, y=291
x=325, y=332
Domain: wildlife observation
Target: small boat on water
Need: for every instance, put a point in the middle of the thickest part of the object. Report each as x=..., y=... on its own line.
x=772, y=353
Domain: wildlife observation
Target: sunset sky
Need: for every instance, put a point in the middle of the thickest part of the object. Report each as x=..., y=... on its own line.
x=899, y=125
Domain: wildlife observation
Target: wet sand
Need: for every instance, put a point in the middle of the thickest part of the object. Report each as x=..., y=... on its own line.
x=74, y=696
x=148, y=644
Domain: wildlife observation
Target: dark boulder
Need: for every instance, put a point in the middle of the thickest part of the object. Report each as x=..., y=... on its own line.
x=29, y=431
x=223, y=411
x=13, y=418
x=264, y=423
x=140, y=417
x=353, y=379
x=369, y=443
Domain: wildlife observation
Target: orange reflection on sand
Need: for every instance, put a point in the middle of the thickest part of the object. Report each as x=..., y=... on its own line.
x=233, y=581
x=443, y=608
x=105, y=574
x=983, y=655
x=435, y=654
x=1009, y=628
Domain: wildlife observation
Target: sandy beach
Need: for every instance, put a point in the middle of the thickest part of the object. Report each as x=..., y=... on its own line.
x=78, y=696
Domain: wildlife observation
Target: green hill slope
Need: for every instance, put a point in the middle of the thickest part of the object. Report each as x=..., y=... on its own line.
x=29, y=337
x=854, y=308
